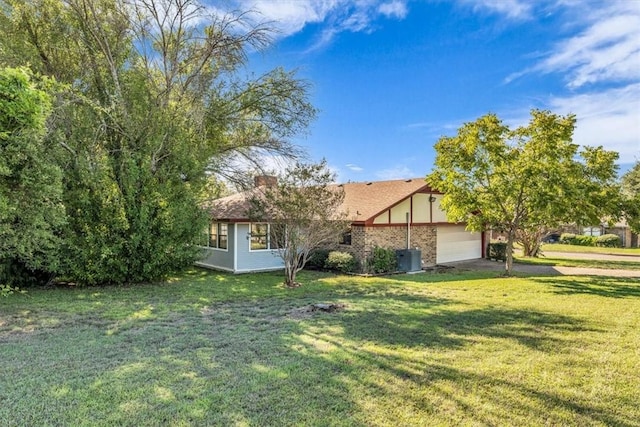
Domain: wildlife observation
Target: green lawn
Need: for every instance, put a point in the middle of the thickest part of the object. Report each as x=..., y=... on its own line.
x=548, y=259
x=426, y=350
x=557, y=247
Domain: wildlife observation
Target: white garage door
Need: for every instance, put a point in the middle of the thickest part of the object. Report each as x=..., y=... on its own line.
x=456, y=244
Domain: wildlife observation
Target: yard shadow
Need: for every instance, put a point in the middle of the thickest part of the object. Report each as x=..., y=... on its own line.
x=454, y=328
x=487, y=399
x=508, y=398
x=601, y=286
x=246, y=361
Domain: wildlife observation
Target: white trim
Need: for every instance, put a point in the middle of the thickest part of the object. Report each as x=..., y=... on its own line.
x=235, y=247
x=211, y=248
x=258, y=270
x=268, y=235
x=213, y=267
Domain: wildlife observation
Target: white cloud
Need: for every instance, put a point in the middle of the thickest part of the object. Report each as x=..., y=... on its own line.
x=600, y=63
x=354, y=168
x=291, y=16
x=608, y=118
x=608, y=49
x=395, y=172
x=394, y=9
x=513, y=9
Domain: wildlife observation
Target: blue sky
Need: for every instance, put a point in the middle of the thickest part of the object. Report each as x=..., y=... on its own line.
x=391, y=76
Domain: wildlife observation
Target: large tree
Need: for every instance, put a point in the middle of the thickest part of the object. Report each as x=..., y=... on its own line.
x=631, y=197
x=30, y=182
x=156, y=100
x=303, y=212
x=523, y=180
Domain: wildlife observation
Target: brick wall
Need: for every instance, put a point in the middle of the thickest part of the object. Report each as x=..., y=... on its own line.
x=364, y=239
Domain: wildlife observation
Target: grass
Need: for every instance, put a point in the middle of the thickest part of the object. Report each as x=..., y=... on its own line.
x=206, y=348
x=557, y=247
x=586, y=263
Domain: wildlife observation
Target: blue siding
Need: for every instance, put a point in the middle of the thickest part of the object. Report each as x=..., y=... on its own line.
x=220, y=258
x=248, y=260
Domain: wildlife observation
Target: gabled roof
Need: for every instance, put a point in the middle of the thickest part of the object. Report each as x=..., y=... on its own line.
x=362, y=200
x=365, y=200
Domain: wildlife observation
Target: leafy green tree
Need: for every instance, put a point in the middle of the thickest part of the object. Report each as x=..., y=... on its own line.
x=157, y=101
x=523, y=180
x=631, y=197
x=302, y=208
x=30, y=182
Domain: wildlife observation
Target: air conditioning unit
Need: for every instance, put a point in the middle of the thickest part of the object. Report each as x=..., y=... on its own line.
x=409, y=259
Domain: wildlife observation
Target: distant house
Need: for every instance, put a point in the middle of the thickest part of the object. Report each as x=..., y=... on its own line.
x=397, y=214
x=628, y=239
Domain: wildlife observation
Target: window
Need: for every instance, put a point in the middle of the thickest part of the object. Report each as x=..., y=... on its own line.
x=213, y=233
x=263, y=236
x=217, y=235
x=222, y=235
x=259, y=236
x=592, y=231
x=345, y=237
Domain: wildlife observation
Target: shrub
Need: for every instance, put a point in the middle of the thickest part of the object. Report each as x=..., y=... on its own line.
x=608, y=241
x=584, y=240
x=382, y=260
x=318, y=259
x=340, y=261
x=579, y=240
x=497, y=251
x=567, y=238
x=15, y=273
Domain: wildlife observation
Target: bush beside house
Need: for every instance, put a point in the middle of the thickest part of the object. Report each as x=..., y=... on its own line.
x=608, y=241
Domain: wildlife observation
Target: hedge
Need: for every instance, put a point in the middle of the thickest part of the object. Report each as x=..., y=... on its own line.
x=341, y=261
x=577, y=239
x=608, y=241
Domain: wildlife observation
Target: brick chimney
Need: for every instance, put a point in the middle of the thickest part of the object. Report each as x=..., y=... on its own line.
x=265, y=180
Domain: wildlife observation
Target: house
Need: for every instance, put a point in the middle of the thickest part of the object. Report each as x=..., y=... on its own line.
x=396, y=214
x=628, y=239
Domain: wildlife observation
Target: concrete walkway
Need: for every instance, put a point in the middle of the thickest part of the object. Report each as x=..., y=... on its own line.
x=547, y=270
x=586, y=255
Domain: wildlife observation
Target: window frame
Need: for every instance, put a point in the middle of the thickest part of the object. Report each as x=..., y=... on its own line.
x=269, y=244
x=346, y=237
x=221, y=235
x=215, y=236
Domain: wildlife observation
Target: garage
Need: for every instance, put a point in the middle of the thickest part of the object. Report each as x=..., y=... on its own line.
x=454, y=243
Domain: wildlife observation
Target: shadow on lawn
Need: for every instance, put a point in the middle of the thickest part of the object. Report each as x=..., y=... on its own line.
x=241, y=363
x=427, y=385
x=247, y=362
x=601, y=286
x=457, y=328
x=445, y=387
x=465, y=395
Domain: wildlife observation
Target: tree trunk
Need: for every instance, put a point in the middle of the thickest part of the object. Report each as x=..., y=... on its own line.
x=531, y=241
x=509, y=252
x=290, y=270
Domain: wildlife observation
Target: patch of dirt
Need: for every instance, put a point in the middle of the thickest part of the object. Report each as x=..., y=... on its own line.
x=311, y=309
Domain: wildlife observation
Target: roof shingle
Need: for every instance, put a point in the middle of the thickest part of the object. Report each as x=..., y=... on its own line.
x=362, y=200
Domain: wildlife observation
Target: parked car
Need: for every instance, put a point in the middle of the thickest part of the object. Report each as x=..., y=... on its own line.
x=551, y=238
